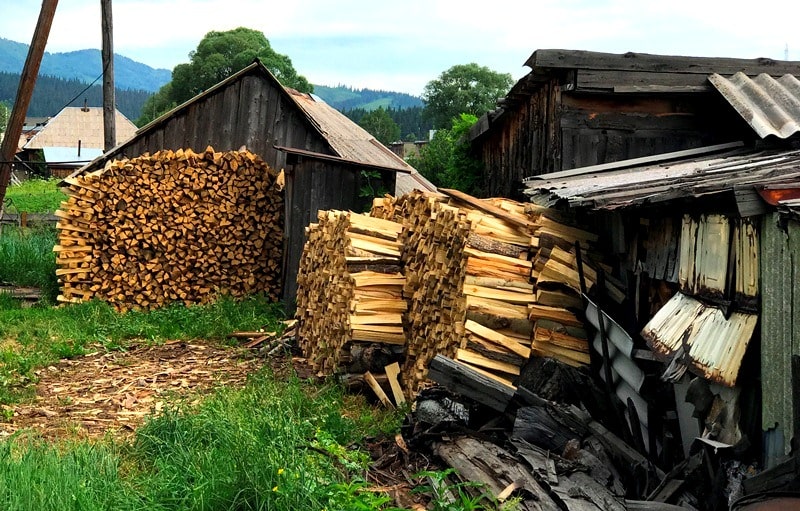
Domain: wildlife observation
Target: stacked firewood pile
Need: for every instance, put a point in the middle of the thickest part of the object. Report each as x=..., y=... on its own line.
x=349, y=288
x=171, y=226
x=487, y=284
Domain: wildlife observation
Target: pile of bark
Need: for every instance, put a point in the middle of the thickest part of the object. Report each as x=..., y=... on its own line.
x=171, y=226
x=538, y=444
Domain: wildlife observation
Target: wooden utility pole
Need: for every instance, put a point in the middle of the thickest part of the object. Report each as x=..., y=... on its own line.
x=24, y=92
x=109, y=102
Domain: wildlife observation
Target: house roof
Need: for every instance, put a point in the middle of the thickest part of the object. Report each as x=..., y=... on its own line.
x=620, y=185
x=70, y=156
x=346, y=139
x=75, y=124
x=770, y=106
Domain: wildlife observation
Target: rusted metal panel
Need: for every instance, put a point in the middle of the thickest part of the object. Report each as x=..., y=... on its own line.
x=770, y=106
x=658, y=183
x=780, y=324
x=701, y=337
x=704, y=255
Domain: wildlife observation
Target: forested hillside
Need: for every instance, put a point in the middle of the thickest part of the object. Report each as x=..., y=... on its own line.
x=413, y=126
x=85, y=66
x=52, y=94
x=344, y=98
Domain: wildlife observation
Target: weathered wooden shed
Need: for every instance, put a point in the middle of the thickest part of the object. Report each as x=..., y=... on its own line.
x=581, y=108
x=710, y=272
x=323, y=153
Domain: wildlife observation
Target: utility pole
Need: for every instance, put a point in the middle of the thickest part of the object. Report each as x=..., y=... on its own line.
x=24, y=92
x=109, y=102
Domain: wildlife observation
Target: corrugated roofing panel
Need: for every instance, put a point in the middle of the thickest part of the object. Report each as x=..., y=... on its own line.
x=347, y=138
x=711, y=345
x=770, y=106
x=657, y=183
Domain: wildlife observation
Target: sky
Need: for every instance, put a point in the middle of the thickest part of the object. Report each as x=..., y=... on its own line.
x=402, y=45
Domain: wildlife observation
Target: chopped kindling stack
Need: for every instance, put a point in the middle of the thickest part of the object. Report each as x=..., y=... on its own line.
x=172, y=226
x=349, y=287
x=468, y=284
x=455, y=274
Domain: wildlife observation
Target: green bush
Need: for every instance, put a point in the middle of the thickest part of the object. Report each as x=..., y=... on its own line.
x=36, y=195
x=27, y=259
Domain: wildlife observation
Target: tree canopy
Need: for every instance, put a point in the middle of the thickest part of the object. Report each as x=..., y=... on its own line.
x=380, y=125
x=219, y=55
x=464, y=88
x=446, y=160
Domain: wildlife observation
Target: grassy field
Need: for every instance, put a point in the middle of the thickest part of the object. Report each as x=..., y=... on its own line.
x=277, y=444
x=274, y=445
x=27, y=259
x=36, y=195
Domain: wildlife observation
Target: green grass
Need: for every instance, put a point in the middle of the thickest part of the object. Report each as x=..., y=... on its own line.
x=27, y=259
x=36, y=195
x=39, y=336
x=274, y=445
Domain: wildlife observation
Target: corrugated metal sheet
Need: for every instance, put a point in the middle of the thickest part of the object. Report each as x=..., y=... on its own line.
x=780, y=321
x=658, y=183
x=69, y=157
x=770, y=106
x=349, y=140
x=709, y=344
x=73, y=124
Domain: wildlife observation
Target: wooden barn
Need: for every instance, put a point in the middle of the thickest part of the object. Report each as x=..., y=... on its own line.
x=326, y=157
x=582, y=108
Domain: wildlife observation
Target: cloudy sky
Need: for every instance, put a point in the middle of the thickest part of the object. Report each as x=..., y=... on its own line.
x=402, y=45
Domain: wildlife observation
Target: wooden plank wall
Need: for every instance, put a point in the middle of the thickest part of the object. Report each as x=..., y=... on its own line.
x=247, y=112
x=552, y=127
x=311, y=186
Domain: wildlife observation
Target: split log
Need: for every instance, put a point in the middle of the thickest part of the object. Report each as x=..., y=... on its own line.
x=486, y=463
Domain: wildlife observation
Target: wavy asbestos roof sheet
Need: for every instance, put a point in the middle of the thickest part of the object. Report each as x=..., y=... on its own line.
x=640, y=185
x=701, y=336
x=770, y=106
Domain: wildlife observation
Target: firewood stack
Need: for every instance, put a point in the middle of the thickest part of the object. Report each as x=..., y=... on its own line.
x=558, y=330
x=172, y=226
x=349, y=287
x=468, y=282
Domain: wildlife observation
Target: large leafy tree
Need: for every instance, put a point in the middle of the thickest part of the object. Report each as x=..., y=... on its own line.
x=464, y=88
x=380, y=125
x=219, y=55
x=446, y=160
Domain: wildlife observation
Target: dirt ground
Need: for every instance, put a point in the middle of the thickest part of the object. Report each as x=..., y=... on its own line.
x=112, y=392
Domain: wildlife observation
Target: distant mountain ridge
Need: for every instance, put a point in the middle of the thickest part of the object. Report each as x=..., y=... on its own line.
x=85, y=66
x=62, y=73
x=344, y=98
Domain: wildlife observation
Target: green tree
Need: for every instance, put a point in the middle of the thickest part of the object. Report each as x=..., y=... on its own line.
x=464, y=88
x=446, y=160
x=380, y=125
x=157, y=104
x=5, y=112
x=219, y=55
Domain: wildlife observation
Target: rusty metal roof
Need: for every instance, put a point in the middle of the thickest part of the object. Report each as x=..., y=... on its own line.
x=700, y=336
x=771, y=106
x=619, y=185
x=349, y=140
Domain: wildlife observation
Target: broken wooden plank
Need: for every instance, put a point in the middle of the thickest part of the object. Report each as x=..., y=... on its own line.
x=375, y=386
x=463, y=380
x=392, y=372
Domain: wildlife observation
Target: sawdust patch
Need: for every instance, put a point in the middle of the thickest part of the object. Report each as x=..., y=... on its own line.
x=113, y=392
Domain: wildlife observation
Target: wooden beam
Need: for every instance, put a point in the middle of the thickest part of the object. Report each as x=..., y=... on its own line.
x=109, y=103
x=27, y=81
x=489, y=208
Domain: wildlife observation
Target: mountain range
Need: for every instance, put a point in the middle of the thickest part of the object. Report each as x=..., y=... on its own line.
x=85, y=66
